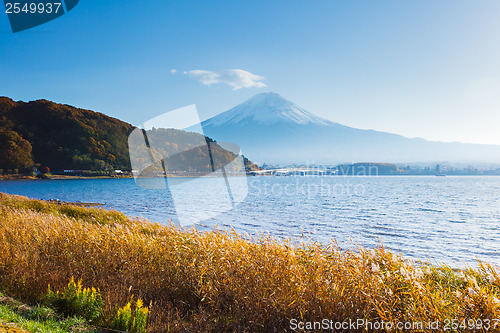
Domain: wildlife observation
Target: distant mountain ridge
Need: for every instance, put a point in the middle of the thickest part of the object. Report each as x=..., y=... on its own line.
x=272, y=129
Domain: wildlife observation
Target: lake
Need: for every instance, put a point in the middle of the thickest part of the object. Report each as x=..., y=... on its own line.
x=439, y=219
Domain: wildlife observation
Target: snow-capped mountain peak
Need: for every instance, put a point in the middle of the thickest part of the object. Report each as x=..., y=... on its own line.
x=266, y=108
x=269, y=128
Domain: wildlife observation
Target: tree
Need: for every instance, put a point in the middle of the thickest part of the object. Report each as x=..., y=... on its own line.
x=15, y=152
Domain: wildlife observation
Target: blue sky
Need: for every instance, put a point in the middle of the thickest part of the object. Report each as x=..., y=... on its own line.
x=417, y=68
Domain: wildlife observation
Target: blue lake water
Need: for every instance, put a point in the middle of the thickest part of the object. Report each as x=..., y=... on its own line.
x=455, y=220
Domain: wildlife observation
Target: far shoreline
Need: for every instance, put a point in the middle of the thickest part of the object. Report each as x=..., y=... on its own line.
x=68, y=177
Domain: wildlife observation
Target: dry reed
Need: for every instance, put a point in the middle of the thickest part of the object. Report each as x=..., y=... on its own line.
x=217, y=281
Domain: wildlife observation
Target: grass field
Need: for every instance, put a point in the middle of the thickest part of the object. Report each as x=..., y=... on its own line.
x=217, y=282
x=16, y=317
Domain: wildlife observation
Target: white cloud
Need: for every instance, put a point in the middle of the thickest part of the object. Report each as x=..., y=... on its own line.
x=235, y=78
x=173, y=71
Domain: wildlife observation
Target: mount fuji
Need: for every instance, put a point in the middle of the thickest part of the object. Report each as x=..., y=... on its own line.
x=272, y=129
x=266, y=109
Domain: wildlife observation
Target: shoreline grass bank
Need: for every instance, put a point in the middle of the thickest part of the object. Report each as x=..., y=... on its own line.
x=218, y=282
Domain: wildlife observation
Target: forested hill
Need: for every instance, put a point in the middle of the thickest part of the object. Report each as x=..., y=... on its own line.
x=62, y=137
x=65, y=137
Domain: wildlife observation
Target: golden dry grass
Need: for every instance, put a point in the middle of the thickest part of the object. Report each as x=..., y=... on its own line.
x=215, y=281
x=5, y=328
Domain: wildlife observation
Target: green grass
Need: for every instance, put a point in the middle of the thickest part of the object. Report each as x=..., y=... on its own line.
x=39, y=319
